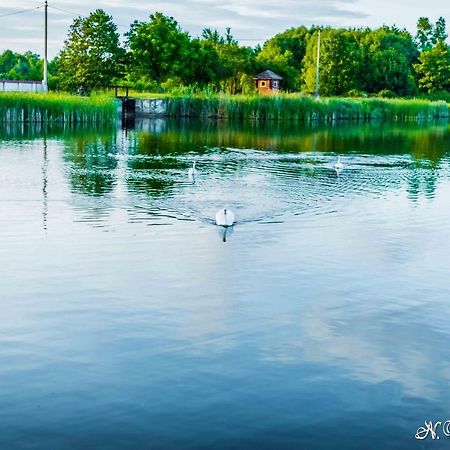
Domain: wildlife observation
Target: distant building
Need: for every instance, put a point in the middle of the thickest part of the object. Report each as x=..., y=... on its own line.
x=21, y=86
x=267, y=82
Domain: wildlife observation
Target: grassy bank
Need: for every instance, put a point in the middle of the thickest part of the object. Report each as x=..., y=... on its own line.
x=305, y=109
x=56, y=108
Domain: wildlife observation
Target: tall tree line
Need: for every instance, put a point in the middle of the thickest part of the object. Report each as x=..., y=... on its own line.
x=157, y=54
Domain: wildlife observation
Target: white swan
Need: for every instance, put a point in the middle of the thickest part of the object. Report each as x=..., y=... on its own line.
x=339, y=165
x=192, y=172
x=225, y=218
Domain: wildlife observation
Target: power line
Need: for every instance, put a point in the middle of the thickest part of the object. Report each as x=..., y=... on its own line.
x=73, y=13
x=21, y=11
x=80, y=15
x=67, y=11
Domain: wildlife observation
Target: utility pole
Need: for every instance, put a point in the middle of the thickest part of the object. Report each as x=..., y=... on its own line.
x=45, y=80
x=45, y=183
x=317, y=65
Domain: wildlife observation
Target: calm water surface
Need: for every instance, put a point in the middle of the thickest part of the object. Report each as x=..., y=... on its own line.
x=130, y=321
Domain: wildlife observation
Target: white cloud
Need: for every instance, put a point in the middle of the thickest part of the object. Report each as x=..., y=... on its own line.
x=251, y=21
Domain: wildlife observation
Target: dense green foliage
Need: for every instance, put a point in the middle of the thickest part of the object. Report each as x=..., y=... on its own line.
x=92, y=56
x=340, y=60
x=159, y=56
x=433, y=68
x=387, y=55
x=158, y=49
x=14, y=66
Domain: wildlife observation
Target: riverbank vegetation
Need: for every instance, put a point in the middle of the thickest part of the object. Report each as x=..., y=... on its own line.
x=298, y=108
x=159, y=56
x=56, y=107
x=101, y=108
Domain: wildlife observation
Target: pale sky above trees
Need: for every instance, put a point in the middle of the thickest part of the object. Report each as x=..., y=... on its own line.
x=252, y=21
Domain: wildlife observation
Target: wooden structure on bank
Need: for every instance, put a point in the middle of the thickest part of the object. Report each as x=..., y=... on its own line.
x=128, y=104
x=121, y=91
x=268, y=82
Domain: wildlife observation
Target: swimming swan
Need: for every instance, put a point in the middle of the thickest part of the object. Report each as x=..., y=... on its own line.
x=192, y=172
x=339, y=165
x=225, y=218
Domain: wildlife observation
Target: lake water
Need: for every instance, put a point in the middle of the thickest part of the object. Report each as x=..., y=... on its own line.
x=321, y=320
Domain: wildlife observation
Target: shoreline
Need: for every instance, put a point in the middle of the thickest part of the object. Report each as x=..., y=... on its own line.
x=102, y=107
x=293, y=109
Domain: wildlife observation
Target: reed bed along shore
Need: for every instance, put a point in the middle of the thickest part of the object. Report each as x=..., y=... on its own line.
x=305, y=109
x=102, y=107
x=56, y=108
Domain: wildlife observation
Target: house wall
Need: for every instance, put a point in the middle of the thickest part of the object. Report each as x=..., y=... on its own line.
x=21, y=86
x=266, y=86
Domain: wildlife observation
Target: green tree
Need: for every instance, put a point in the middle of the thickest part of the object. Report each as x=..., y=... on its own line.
x=284, y=54
x=8, y=60
x=433, y=68
x=428, y=34
x=159, y=49
x=53, y=73
x=16, y=66
x=92, y=56
x=204, y=65
x=340, y=62
x=439, y=32
x=387, y=56
x=231, y=67
x=271, y=57
x=424, y=33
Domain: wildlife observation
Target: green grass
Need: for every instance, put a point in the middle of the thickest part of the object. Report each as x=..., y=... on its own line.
x=56, y=107
x=146, y=95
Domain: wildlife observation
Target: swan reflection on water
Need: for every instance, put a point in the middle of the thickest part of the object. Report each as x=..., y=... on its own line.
x=225, y=232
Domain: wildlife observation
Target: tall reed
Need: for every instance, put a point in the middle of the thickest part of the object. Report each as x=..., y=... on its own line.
x=56, y=108
x=306, y=109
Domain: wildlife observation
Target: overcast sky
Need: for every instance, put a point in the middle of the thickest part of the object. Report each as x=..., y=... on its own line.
x=252, y=21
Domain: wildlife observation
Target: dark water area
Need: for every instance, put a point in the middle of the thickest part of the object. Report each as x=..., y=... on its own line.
x=129, y=320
